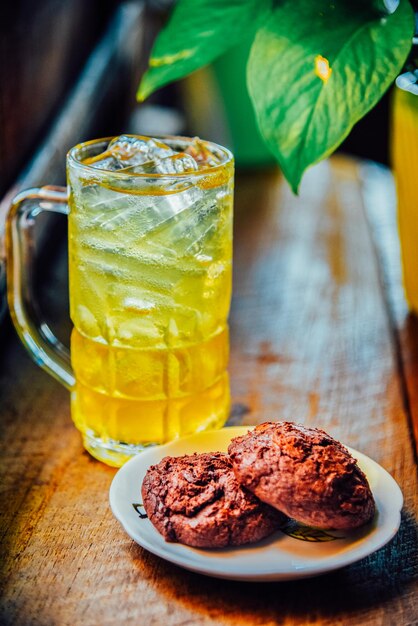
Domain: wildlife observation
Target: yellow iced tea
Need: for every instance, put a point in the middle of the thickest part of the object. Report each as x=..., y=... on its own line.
x=405, y=162
x=150, y=288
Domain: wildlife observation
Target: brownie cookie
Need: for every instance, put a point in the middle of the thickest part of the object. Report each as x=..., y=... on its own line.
x=305, y=473
x=197, y=500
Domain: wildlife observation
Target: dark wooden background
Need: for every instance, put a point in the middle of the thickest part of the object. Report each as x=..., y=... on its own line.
x=43, y=46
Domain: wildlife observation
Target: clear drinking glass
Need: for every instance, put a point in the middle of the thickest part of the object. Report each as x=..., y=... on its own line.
x=150, y=259
x=404, y=152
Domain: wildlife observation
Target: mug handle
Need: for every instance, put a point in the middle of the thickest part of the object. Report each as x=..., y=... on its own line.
x=46, y=350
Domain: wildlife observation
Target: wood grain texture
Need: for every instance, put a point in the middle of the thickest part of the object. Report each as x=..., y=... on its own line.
x=379, y=194
x=312, y=341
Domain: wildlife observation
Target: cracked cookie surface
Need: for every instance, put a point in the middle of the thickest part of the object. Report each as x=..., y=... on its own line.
x=304, y=473
x=196, y=500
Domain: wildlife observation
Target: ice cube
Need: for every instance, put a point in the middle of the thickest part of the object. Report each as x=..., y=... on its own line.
x=138, y=330
x=138, y=305
x=129, y=150
x=87, y=322
x=159, y=149
x=192, y=222
x=201, y=154
x=176, y=164
x=104, y=161
x=135, y=154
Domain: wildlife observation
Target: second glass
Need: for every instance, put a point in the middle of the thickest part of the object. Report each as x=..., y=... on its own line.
x=150, y=259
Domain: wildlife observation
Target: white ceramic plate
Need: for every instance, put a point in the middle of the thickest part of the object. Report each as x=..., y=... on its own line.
x=299, y=552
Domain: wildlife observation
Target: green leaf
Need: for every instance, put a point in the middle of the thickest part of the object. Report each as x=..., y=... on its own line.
x=198, y=32
x=315, y=71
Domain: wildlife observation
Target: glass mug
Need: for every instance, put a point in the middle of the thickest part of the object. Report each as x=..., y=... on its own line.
x=150, y=261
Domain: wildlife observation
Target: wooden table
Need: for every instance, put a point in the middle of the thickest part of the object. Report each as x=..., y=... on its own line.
x=320, y=335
